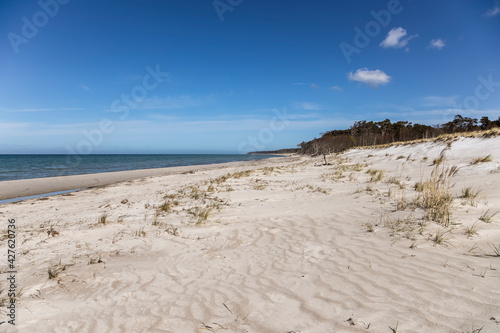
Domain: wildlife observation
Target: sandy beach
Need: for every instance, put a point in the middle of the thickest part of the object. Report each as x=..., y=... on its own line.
x=31, y=187
x=280, y=245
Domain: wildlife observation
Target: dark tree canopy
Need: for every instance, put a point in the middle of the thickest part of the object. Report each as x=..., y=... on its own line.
x=369, y=133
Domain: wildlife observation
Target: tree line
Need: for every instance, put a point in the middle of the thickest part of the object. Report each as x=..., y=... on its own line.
x=369, y=133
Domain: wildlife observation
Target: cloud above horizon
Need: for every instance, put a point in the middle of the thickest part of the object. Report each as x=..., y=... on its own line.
x=396, y=38
x=311, y=85
x=40, y=109
x=169, y=102
x=442, y=101
x=437, y=43
x=493, y=11
x=369, y=77
x=308, y=106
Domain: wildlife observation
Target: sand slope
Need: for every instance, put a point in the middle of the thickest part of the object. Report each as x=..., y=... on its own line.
x=285, y=248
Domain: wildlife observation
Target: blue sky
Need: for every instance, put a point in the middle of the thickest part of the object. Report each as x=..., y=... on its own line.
x=229, y=76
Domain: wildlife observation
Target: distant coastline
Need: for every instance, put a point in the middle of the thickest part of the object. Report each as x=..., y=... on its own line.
x=285, y=151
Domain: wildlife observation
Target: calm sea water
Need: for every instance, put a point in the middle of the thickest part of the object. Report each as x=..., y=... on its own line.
x=14, y=167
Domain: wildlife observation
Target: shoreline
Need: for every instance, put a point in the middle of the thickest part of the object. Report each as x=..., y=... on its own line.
x=37, y=196
x=13, y=189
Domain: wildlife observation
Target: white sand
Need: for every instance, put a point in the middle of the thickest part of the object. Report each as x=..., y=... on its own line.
x=287, y=250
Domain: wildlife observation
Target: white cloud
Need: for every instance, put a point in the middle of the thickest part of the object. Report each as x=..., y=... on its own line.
x=40, y=109
x=443, y=101
x=308, y=106
x=437, y=43
x=371, y=78
x=396, y=38
x=336, y=88
x=169, y=102
x=11, y=127
x=493, y=11
x=311, y=85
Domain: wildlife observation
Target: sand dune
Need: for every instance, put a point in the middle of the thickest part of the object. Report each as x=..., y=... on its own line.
x=284, y=247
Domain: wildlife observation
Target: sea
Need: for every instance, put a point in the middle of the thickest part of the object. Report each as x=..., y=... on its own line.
x=14, y=167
